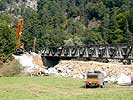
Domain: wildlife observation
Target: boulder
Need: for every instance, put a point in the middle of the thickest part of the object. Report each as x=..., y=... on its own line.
x=52, y=71
x=123, y=79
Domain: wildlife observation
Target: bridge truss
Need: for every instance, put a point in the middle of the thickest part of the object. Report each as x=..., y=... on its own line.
x=118, y=51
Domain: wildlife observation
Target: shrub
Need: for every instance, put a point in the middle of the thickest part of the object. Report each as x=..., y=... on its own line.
x=10, y=69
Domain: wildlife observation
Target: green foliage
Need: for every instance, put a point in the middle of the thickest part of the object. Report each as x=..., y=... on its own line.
x=69, y=42
x=3, y=5
x=7, y=38
x=92, y=37
x=130, y=17
x=73, y=41
x=74, y=22
x=112, y=14
x=32, y=27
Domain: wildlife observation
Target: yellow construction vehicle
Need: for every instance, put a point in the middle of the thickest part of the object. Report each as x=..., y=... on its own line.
x=94, y=79
x=19, y=49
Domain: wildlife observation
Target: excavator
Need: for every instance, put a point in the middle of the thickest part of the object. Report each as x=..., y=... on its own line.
x=20, y=49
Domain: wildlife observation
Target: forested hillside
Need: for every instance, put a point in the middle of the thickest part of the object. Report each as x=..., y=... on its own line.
x=68, y=22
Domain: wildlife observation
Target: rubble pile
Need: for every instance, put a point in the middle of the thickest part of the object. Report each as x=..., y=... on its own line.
x=32, y=63
x=78, y=67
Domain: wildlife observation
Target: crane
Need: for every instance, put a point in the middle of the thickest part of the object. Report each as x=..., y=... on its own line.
x=19, y=49
x=19, y=32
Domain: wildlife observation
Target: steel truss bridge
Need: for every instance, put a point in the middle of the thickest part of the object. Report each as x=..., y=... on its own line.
x=118, y=51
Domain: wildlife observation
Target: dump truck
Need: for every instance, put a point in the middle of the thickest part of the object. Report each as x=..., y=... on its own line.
x=94, y=79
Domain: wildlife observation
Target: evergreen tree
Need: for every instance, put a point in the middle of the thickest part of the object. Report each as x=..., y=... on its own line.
x=7, y=38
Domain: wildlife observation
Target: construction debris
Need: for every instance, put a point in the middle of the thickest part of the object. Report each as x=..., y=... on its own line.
x=32, y=64
x=123, y=79
x=78, y=67
x=113, y=72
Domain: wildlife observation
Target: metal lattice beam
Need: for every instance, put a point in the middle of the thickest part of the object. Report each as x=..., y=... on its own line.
x=119, y=51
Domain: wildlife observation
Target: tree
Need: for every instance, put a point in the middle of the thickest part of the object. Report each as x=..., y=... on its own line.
x=92, y=37
x=60, y=22
x=105, y=28
x=131, y=17
x=7, y=38
x=32, y=28
x=3, y=5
